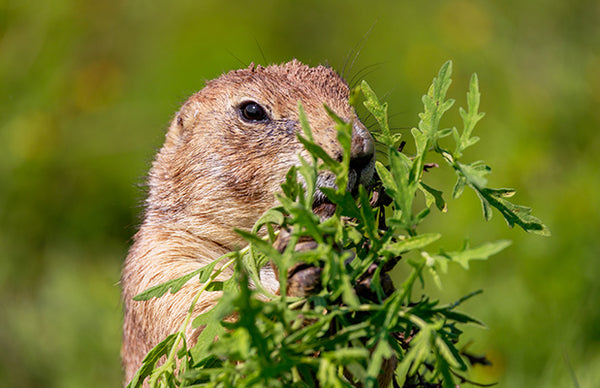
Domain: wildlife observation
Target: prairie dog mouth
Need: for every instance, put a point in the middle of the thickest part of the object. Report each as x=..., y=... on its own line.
x=322, y=206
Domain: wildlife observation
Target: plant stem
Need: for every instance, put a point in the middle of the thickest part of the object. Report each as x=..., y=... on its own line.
x=169, y=364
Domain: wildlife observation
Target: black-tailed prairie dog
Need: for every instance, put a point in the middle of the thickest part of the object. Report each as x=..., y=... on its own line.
x=226, y=153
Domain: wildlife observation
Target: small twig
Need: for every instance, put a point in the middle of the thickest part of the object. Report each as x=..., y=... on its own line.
x=401, y=146
x=429, y=166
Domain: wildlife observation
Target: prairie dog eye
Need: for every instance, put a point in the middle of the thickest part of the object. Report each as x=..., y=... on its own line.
x=252, y=111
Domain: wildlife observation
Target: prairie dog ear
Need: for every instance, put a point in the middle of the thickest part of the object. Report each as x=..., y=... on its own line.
x=182, y=123
x=175, y=133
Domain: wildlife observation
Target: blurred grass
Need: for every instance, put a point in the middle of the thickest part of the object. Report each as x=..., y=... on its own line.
x=88, y=88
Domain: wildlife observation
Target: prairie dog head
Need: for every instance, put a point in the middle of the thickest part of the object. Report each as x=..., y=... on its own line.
x=229, y=147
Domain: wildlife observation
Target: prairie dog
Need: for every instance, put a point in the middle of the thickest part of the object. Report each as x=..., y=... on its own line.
x=226, y=153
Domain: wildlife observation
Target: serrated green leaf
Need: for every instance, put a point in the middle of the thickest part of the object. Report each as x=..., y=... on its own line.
x=429, y=198
x=396, y=185
x=149, y=362
x=445, y=132
x=470, y=118
x=442, y=82
x=447, y=350
x=411, y=243
x=175, y=285
x=271, y=216
x=474, y=173
x=482, y=252
x=436, y=195
x=213, y=328
x=485, y=206
x=443, y=108
x=386, y=177
x=161, y=289
x=459, y=187
x=379, y=111
x=459, y=317
x=401, y=184
x=471, y=141
x=514, y=214
x=434, y=103
x=473, y=95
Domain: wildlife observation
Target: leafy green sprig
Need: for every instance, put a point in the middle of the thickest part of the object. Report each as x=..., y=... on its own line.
x=337, y=336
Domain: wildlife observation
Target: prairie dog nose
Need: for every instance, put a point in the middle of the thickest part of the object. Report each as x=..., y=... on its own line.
x=362, y=155
x=362, y=149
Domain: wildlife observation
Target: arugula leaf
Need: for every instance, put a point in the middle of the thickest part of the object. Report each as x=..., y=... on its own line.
x=175, y=285
x=151, y=359
x=466, y=255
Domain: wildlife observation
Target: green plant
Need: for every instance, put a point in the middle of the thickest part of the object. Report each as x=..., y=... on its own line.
x=338, y=337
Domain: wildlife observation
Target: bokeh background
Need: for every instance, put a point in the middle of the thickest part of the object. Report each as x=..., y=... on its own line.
x=87, y=89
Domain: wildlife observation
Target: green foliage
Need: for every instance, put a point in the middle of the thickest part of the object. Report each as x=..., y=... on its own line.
x=175, y=285
x=338, y=337
x=88, y=89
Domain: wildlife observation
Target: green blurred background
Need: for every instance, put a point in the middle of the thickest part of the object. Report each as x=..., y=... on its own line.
x=87, y=89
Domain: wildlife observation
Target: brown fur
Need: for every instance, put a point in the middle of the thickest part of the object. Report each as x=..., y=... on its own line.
x=217, y=172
